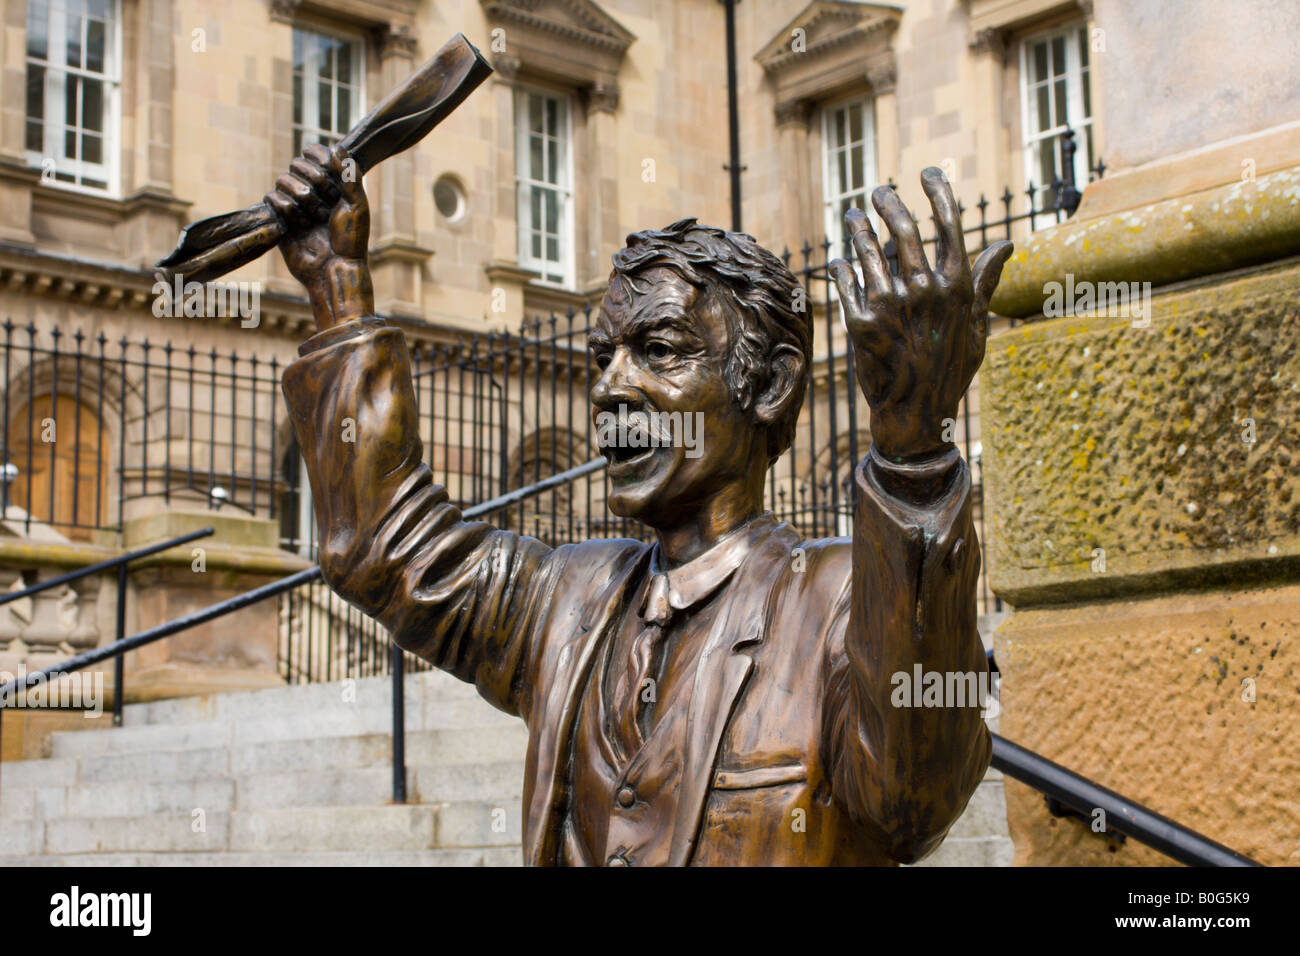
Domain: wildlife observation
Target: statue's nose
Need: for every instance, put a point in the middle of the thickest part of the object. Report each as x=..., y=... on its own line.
x=615, y=387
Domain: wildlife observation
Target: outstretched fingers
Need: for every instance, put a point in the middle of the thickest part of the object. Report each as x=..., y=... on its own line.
x=951, y=257
x=864, y=323
x=875, y=274
x=912, y=264
x=846, y=283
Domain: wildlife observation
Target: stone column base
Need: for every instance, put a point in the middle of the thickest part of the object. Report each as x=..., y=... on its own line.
x=1186, y=703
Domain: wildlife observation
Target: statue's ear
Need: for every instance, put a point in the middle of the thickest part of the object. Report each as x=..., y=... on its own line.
x=786, y=370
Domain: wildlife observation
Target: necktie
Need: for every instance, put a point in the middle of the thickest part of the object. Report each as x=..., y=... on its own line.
x=639, y=668
x=642, y=662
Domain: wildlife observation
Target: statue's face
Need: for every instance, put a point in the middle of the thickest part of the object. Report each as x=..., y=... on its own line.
x=661, y=355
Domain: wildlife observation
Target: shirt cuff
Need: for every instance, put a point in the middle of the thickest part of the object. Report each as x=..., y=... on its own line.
x=353, y=328
x=918, y=483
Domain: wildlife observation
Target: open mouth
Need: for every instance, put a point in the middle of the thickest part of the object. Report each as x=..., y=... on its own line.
x=624, y=459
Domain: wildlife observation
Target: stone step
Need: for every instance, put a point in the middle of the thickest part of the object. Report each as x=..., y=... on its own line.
x=345, y=720
x=464, y=824
x=985, y=815
x=146, y=739
x=972, y=851
x=447, y=754
x=501, y=783
x=128, y=799
x=367, y=692
x=21, y=837
x=501, y=780
x=152, y=767
x=425, y=748
x=335, y=828
x=45, y=772
x=478, y=856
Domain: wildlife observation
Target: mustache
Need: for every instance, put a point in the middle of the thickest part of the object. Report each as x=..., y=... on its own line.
x=642, y=422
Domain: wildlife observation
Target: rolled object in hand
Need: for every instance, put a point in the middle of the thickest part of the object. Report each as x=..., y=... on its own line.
x=210, y=248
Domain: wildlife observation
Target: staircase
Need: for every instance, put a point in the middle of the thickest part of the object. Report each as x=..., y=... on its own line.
x=293, y=776
x=301, y=776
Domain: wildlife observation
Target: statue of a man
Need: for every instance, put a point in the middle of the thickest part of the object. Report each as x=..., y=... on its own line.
x=724, y=695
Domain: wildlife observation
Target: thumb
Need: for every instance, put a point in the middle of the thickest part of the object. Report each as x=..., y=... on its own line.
x=349, y=175
x=987, y=272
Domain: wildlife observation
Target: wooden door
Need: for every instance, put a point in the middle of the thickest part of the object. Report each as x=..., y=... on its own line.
x=76, y=501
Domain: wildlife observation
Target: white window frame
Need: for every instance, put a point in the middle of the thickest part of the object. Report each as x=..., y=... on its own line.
x=310, y=132
x=553, y=272
x=308, y=532
x=1076, y=75
x=54, y=120
x=833, y=191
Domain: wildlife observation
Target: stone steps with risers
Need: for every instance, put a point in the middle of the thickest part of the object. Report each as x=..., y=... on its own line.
x=292, y=776
x=301, y=776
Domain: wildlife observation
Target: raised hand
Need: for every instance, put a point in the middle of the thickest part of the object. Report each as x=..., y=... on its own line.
x=322, y=202
x=918, y=338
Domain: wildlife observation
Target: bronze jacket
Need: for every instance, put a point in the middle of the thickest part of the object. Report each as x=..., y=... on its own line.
x=795, y=753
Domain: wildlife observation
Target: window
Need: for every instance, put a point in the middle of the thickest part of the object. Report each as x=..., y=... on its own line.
x=298, y=530
x=543, y=176
x=1055, y=97
x=73, y=79
x=327, y=87
x=848, y=164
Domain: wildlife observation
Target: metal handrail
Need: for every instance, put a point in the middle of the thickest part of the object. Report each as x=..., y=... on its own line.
x=89, y=569
x=120, y=564
x=1051, y=779
x=1120, y=814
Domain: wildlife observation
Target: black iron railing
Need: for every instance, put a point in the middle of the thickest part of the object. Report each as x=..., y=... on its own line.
x=89, y=424
x=121, y=565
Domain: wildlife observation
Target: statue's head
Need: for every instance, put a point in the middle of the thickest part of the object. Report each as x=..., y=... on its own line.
x=702, y=336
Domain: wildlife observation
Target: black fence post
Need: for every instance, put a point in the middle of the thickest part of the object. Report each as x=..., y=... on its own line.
x=399, y=724
x=119, y=669
x=1067, y=195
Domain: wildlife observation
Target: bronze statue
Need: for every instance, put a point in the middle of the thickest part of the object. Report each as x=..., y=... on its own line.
x=723, y=696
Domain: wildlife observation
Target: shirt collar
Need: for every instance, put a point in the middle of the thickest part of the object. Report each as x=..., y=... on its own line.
x=682, y=588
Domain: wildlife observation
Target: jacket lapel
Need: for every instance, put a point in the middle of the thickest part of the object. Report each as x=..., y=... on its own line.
x=555, y=729
x=722, y=673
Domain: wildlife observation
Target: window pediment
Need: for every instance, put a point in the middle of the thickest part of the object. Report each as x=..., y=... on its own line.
x=561, y=39
x=371, y=13
x=1011, y=14
x=830, y=45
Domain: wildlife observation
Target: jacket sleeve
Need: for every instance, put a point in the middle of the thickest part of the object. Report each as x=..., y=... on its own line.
x=462, y=595
x=904, y=759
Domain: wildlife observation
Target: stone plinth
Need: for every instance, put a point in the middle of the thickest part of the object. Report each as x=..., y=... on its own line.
x=1144, y=522
x=234, y=652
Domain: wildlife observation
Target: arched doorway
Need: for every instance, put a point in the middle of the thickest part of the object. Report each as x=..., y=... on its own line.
x=59, y=449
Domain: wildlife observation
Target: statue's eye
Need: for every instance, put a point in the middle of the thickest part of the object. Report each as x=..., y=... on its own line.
x=600, y=357
x=658, y=350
